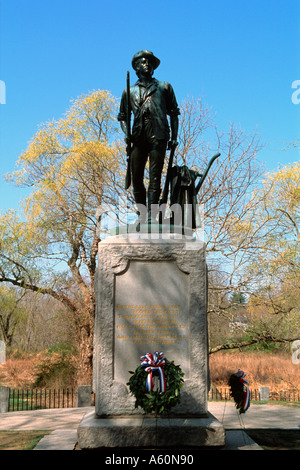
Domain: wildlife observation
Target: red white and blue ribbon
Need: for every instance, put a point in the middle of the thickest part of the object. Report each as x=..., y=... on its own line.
x=153, y=363
x=246, y=393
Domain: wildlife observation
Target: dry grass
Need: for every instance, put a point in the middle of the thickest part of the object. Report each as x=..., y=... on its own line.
x=276, y=371
x=17, y=373
x=46, y=369
x=261, y=369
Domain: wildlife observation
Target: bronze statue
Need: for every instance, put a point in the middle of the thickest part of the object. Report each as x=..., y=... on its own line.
x=151, y=102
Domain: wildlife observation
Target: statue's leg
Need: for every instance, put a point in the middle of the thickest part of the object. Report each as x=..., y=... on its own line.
x=138, y=163
x=156, y=163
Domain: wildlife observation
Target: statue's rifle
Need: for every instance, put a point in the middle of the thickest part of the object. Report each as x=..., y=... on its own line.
x=165, y=193
x=206, y=172
x=128, y=138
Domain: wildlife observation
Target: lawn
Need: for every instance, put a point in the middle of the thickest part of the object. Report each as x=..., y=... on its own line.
x=20, y=440
x=268, y=439
x=276, y=439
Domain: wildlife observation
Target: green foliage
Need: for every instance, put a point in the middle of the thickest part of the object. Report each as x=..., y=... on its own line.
x=62, y=348
x=56, y=369
x=156, y=401
x=12, y=313
x=263, y=346
x=238, y=298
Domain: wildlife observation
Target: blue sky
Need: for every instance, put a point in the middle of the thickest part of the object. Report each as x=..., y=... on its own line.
x=239, y=57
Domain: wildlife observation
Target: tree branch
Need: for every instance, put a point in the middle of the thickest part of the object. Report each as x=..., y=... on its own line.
x=47, y=291
x=243, y=344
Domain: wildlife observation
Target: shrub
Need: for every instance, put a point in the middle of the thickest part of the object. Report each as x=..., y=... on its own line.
x=56, y=368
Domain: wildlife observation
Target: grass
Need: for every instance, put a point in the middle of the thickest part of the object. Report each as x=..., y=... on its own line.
x=262, y=369
x=274, y=370
x=276, y=402
x=268, y=439
x=20, y=440
x=276, y=439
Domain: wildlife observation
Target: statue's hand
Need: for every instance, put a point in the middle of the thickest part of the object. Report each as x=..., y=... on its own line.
x=172, y=144
x=127, y=140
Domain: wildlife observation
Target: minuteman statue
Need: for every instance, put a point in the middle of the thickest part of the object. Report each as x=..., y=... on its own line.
x=151, y=102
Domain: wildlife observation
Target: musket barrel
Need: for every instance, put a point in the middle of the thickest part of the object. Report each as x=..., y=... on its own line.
x=128, y=145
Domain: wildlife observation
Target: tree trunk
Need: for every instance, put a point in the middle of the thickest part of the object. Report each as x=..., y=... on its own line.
x=85, y=365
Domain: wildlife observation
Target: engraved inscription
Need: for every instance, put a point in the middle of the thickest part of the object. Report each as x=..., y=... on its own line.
x=154, y=324
x=151, y=313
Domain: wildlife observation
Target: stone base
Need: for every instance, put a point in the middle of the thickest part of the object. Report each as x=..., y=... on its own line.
x=147, y=431
x=151, y=295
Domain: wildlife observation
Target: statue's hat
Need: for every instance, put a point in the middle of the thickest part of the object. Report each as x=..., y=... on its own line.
x=149, y=55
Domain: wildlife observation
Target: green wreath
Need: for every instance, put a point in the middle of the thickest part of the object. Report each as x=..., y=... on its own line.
x=155, y=401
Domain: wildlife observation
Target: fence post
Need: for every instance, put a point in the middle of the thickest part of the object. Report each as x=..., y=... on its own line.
x=263, y=393
x=4, y=399
x=84, y=393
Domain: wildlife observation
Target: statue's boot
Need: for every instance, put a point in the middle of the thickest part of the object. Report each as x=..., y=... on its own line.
x=140, y=200
x=153, y=200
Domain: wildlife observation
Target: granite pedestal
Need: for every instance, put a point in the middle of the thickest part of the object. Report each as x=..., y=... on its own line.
x=151, y=294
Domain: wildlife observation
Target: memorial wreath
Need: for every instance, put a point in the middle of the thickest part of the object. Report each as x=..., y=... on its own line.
x=239, y=390
x=141, y=383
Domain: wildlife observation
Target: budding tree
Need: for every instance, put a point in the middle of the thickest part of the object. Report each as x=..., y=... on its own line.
x=73, y=165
